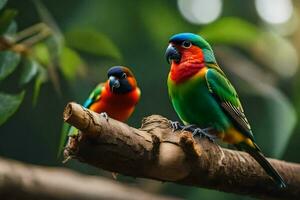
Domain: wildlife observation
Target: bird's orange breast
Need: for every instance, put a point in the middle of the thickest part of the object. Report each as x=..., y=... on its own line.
x=117, y=106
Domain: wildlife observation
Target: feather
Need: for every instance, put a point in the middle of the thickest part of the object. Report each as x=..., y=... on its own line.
x=225, y=94
x=260, y=158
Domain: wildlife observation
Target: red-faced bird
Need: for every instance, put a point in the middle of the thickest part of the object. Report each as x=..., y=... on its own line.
x=202, y=96
x=116, y=98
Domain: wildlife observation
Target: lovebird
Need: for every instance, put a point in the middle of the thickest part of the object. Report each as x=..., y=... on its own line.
x=202, y=96
x=116, y=98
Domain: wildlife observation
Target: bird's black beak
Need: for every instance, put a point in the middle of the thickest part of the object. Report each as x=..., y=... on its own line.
x=113, y=83
x=172, y=54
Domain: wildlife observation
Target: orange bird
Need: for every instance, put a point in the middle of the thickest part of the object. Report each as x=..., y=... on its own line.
x=116, y=98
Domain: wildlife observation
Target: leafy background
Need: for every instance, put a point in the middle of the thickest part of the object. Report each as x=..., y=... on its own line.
x=75, y=42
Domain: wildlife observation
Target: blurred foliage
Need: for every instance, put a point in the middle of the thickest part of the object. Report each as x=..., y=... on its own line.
x=63, y=51
x=9, y=62
x=265, y=46
x=30, y=69
x=225, y=31
x=70, y=63
x=42, y=49
x=93, y=42
x=9, y=104
x=7, y=17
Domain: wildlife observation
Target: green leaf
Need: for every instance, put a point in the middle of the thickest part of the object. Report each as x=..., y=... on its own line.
x=277, y=53
x=280, y=118
x=40, y=79
x=12, y=28
x=70, y=63
x=47, y=18
x=30, y=69
x=41, y=53
x=6, y=19
x=2, y=3
x=230, y=30
x=47, y=54
x=63, y=138
x=9, y=104
x=92, y=42
x=8, y=63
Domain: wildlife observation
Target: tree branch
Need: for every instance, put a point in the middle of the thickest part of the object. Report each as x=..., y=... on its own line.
x=24, y=181
x=155, y=152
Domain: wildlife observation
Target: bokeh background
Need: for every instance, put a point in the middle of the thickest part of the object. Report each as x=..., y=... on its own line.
x=257, y=43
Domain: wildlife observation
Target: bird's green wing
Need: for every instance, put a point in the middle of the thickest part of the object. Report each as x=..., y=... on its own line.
x=223, y=91
x=68, y=130
x=94, y=96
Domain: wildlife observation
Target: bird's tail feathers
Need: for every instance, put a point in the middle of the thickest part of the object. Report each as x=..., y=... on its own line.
x=260, y=158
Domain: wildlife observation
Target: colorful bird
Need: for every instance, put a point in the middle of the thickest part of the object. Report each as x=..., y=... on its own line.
x=202, y=96
x=116, y=98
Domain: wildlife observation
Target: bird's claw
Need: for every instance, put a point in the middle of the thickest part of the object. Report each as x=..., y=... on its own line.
x=204, y=133
x=175, y=125
x=194, y=129
x=105, y=115
x=190, y=127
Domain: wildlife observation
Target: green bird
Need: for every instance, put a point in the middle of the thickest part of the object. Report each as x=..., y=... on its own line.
x=202, y=96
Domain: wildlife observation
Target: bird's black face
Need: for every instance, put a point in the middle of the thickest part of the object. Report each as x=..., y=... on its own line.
x=118, y=81
x=172, y=54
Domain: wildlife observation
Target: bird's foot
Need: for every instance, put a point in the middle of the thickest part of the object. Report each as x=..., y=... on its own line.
x=176, y=125
x=105, y=115
x=194, y=130
x=205, y=134
x=190, y=127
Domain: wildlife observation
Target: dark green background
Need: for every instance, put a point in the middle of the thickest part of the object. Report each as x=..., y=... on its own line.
x=140, y=29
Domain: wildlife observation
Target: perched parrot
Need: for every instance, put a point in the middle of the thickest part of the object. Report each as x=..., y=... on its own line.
x=202, y=96
x=115, y=98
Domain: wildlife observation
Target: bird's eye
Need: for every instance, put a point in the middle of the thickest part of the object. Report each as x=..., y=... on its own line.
x=124, y=76
x=186, y=44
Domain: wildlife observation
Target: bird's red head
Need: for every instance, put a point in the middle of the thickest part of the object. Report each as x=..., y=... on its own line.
x=187, y=53
x=186, y=60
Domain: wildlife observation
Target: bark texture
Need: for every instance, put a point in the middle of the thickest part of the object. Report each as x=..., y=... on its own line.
x=24, y=181
x=155, y=151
